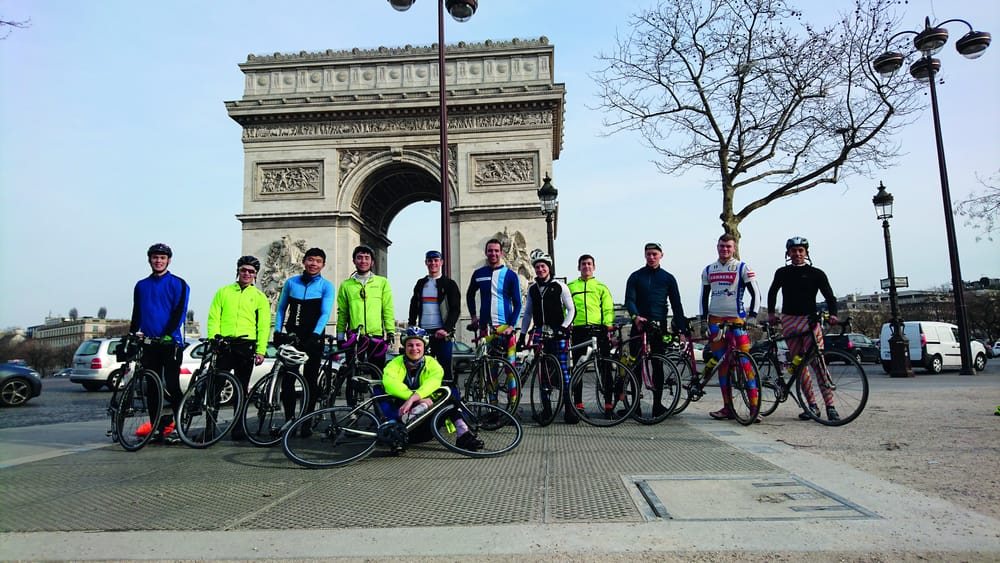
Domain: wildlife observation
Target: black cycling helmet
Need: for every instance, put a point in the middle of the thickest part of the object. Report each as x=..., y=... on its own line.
x=362, y=249
x=797, y=241
x=248, y=261
x=160, y=248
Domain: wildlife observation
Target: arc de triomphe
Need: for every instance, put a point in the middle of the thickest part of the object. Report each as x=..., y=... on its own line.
x=337, y=143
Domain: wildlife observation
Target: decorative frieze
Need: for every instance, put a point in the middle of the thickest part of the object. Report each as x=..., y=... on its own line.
x=352, y=158
x=512, y=170
x=291, y=180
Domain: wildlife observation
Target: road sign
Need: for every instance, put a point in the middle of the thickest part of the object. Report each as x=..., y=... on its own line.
x=900, y=282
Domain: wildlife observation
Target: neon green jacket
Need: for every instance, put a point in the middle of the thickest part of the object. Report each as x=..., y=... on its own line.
x=375, y=311
x=593, y=302
x=241, y=312
x=394, y=378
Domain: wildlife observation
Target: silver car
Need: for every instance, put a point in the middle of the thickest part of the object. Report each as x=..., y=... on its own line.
x=93, y=363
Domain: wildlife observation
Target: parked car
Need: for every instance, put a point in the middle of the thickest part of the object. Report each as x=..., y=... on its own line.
x=761, y=348
x=933, y=346
x=996, y=349
x=860, y=346
x=18, y=384
x=64, y=372
x=194, y=353
x=93, y=363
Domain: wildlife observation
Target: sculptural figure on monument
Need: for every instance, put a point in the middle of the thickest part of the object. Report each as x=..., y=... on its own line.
x=515, y=255
x=284, y=260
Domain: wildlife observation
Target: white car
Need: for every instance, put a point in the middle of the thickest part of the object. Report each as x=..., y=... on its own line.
x=93, y=363
x=996, y=349
x=194, y=353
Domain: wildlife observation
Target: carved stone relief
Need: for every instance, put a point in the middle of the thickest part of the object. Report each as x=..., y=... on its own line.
x=515, y=255
x=350, y=159
x=505, y=171
x=289, y=179
x=284, y=260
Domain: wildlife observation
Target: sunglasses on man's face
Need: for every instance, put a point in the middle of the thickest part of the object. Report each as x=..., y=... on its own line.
x=247, y=271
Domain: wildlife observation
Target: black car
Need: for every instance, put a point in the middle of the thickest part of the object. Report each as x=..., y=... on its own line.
x=864, y=349
x=18, y=384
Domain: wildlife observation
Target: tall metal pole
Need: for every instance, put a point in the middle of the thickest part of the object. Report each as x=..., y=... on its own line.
x=445, y=203
x=548, y=234
x=957, y=287
x=899, y=351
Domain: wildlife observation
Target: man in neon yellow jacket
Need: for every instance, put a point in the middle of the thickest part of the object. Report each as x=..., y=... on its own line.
x=241, y=310
x=365, y=300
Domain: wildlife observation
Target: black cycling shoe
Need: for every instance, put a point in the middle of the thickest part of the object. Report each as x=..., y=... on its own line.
x=469, y=441
x=805, y=416
x=659, y=410
x=832, y=414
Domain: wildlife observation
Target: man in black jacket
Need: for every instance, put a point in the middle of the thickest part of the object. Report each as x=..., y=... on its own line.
x=435, y=306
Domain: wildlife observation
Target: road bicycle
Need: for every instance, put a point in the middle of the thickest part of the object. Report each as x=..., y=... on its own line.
x=604, y=391
x=278, y=398
x=356, y=349
x=492, y=379
x=211, y=406
x=659, y=382
x=744, y=387
x=544, y=378
x=137, y=400
x=685, y=360
x=832, y=377
x=345, y=434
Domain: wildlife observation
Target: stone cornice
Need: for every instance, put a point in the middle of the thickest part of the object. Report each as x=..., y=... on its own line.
x=385, y=52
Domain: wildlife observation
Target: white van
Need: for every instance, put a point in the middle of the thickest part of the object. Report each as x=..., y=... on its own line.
x=933, y=346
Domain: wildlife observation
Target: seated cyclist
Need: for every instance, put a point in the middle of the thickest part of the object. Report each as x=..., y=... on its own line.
x=412, y=379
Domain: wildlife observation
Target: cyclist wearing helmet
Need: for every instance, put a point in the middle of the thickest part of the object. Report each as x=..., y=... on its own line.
x=412, y=379
x=308, y=298
x=723, y=284
x=549, y=304
x=435, y=306
x=799, y=283
x=159, y=305
x=243, y=311
x=647, y=292
x=365, y=301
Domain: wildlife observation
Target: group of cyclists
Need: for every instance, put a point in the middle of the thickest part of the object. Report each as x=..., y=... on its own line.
x=573, y=313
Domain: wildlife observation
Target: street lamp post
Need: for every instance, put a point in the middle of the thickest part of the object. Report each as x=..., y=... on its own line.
x=547, y=195
x=461, y=10
x=899, y=346
x=929, y=41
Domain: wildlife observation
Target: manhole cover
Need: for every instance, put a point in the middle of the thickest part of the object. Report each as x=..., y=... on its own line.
x=739, y=497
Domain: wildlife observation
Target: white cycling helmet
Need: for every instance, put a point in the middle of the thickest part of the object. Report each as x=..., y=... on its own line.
x=291, y=355
x=539, y=255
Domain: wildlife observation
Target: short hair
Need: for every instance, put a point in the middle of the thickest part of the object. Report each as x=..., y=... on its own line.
x=493, y=241
x=362, y=249
x=584, y=257
x=726, y=237
x=315, y=252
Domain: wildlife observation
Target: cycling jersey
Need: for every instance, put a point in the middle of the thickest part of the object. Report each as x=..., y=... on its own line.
x=647, y=292
x=499, y=295
x=723, y=286
x=402, y=383
x=309, y=300
x=159, y=304
x=447, y=301
x=549, y=304
x=367, y=303
x=243, y=312
x=593, y=303
x=799, y=285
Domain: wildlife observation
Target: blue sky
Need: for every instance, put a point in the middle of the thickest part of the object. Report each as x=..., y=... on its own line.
x=113, y=135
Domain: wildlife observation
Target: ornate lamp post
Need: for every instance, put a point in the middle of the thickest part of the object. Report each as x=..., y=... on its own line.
x=547, y=195
x=461, y=10
x=929, y=41
x=899, y=346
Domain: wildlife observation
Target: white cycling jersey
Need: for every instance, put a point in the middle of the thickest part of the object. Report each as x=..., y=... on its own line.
x=727, y=283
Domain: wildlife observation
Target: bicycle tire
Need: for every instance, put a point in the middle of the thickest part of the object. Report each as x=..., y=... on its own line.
x=119, y=378
x=328, y=385
x=210, y=409
x=497, y=428
x=769, y=382
x=744, y=388
x=688, y=379
x=264, y=420
x=339, y=436
x=545, y=388
x=141, y=403
x=600, y=382
x=495, y=381
x=847, y=386
x=649, y=410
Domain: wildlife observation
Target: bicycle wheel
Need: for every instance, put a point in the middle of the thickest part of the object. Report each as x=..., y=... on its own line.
x=689, y=379
x=139, y=410
x=329, y=384
x=210, y=409
x=603, y=392
x=769, y=383
x=545, y=388
x=837, y=385
x=339, y=435
x=496, y=383
x=495, y=427
x=655, y=401
x=744, y=388
x=119, y=378
x=265, y=418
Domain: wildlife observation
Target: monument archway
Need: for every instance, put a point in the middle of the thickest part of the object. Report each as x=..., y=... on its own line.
x=337, y=143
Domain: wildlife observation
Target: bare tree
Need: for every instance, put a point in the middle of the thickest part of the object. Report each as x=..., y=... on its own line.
x=74, y=314
x=7, y=26
x=746, y=89
x=982, y=210
x=102, y=313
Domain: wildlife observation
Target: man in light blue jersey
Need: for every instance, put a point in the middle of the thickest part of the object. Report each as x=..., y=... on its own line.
x=499, y=291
